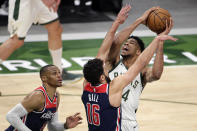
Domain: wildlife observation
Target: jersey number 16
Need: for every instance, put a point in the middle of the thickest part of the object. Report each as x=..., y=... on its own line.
x=92, y=115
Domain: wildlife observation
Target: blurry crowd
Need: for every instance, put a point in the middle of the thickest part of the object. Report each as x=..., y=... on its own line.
x=79, y=7
x=4, y=7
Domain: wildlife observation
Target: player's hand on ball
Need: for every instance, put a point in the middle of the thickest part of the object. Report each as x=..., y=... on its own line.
x=144, y=17
x=168, y=28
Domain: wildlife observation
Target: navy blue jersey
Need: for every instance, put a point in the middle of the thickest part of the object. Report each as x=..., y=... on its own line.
x=36, y=121
x=101, y=116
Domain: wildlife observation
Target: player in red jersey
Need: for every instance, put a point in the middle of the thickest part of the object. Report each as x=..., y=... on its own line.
x=40, y=107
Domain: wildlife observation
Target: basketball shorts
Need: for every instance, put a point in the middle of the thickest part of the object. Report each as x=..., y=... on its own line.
x=127, y=125
x=23, y=13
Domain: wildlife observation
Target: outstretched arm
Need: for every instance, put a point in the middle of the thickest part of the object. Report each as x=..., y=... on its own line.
x=71, y=122
x=154, y=73
x=124, y=34
x=142, y=61
x=107, y=42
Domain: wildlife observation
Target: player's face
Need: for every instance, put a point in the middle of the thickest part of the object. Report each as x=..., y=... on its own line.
x=129, y=48
x=54, y=77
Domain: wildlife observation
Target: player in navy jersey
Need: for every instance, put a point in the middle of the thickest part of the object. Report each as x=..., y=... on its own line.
x=40, y=107
x=102, y=98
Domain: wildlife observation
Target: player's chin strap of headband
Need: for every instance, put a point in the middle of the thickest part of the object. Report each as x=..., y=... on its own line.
x=14, y=115
x=55, y=124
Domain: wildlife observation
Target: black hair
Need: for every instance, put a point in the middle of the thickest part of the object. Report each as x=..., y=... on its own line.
x=44, y=69
x=92, y=71
x=139, y=42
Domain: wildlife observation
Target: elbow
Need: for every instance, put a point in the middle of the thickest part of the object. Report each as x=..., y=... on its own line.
x=157, y=75
x=9, y=117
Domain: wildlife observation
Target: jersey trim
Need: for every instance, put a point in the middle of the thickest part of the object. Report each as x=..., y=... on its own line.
x=118, y=120
x=142, y=81
x=102, y=88
x=50, y=22
x=16, y=10
x=115, y=66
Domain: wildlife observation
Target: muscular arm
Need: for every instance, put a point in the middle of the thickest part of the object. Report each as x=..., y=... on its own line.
x=122, y=81
x=107, y=42
x=124, y=34
x=31, y=102
x=154, y=73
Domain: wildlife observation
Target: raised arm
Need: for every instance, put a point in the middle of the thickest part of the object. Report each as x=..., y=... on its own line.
x=124, y=34
x=142, y=61
x=107, y=42
x=154, y=73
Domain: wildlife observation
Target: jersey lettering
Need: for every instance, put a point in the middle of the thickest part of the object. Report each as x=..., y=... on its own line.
x=93, y=115
x=115, y=74
x=125, y=95
x=135, y=84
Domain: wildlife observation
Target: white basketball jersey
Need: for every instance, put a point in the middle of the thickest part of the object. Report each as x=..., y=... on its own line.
x=131, y=93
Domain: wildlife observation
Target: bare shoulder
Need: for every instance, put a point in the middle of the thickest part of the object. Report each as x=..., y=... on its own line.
x=36, y=96
x=34, y=101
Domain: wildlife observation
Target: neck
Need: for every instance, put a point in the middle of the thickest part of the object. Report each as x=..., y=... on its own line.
x=129, y=60
x=50, y=90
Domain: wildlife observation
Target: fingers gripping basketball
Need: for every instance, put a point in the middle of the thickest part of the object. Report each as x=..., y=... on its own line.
x=157, y=19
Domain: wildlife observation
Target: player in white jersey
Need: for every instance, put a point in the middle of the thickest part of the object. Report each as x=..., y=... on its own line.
x=116, y=66
x=22, y=14
x=130, y=97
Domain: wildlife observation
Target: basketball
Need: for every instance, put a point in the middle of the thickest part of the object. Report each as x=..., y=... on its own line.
x=156, y=20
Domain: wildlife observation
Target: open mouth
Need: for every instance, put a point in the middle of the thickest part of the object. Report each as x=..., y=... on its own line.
x=125, y=48
x=60, y=81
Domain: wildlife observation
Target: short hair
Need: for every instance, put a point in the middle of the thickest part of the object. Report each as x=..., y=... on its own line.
x=139, y=42
x=92, y=71
x=44, y=69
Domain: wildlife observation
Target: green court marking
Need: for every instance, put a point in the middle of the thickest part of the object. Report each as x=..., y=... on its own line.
x=89, y=48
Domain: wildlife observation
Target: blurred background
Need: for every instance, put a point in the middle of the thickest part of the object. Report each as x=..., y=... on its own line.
x=76, y=15
x=168, y=105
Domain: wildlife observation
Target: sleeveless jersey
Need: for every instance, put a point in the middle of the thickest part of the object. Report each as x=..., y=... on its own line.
x=37, y=120
x=101, y=116
x=131, y=93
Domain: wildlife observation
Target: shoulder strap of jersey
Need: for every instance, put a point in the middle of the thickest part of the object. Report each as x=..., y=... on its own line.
x=115, y=65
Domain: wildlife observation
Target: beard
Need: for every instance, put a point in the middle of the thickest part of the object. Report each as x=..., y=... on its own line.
x=125, y=56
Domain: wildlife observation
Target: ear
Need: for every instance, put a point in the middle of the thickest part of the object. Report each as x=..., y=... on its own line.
x=44, y=78
x=102, y=78
x=138, y=52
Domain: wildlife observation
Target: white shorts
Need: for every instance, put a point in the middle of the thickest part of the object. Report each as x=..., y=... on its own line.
x=127, y=125
x=23, y=13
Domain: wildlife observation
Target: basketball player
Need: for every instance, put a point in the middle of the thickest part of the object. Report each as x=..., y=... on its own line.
x=102, y=98
x=116, y=65
x=40, y=107
x=22, y=14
